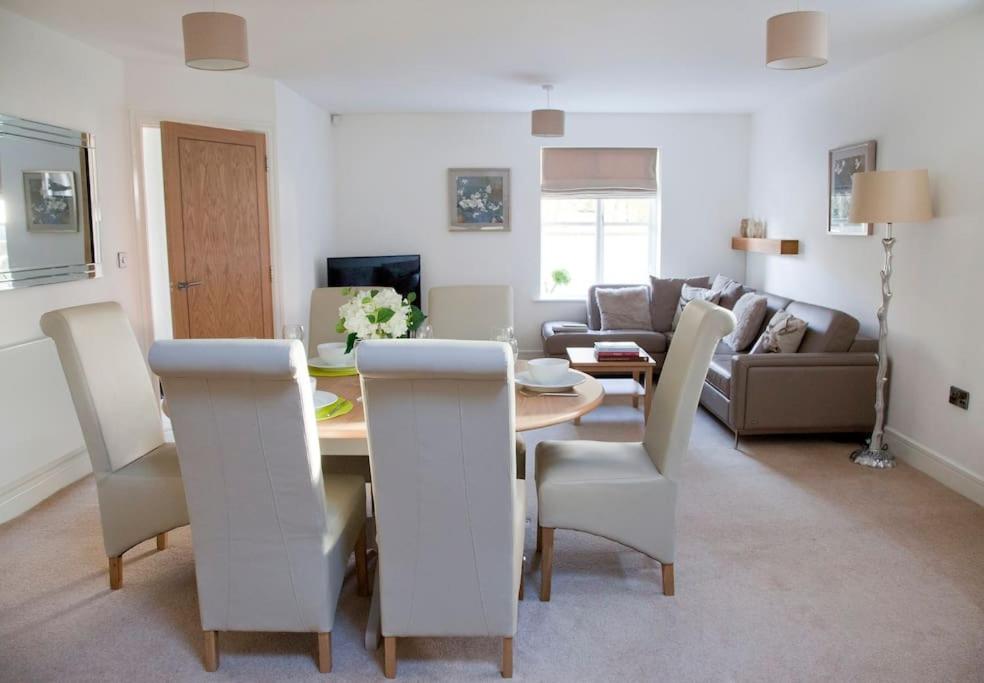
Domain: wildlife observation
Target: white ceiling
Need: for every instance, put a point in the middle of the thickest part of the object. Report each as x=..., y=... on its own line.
x=491, y=55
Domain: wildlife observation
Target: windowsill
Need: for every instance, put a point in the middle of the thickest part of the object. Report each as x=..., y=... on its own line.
x=549, y=300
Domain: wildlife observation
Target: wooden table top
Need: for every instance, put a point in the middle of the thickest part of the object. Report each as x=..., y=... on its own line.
x=532, y=412
x=583, y=357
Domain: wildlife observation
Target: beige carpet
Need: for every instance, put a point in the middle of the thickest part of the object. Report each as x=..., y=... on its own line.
x=794, y=565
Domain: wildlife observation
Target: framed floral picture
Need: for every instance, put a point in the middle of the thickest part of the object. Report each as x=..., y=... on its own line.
x=843, y=163
x=478, y=199
x=49, y=201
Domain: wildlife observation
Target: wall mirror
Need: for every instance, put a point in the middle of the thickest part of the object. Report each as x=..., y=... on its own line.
x=48, y=226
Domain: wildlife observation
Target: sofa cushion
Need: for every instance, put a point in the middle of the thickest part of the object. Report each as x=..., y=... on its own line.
x=773, y=304
x=665, y=296
x=555, y=344
x=719, y=373
x=594, y=314
x=827, y=330
x=624, y=308
x=730, y=290
x=749, y=314
x=783, y=334
x=688, y=294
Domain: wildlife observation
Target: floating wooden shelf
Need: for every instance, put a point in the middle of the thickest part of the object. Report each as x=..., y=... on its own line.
x=764, y=245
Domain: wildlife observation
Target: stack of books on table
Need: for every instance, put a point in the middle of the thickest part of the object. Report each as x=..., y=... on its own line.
x=616, y=351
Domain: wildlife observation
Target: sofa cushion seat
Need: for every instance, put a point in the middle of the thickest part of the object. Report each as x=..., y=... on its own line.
x=557, y=343
x=719, y=373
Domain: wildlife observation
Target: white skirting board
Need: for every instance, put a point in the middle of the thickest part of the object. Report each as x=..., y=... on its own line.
x=41, y=446
x=940, y=468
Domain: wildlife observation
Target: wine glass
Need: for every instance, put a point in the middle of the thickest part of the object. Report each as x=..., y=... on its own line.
x=294, y=332
x=507, y=335
x=424, y=331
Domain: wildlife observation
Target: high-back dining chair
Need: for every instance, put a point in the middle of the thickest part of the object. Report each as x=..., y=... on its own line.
x=450, y=513
x=627, y=492
x=138, y=479
x=272, y=535
x=469, y=311
x=323, y=317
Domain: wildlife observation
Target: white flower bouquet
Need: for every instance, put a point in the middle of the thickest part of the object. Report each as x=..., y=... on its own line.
x=377, y=314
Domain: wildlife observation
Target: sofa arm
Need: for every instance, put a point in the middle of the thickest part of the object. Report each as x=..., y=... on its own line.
x=803, y=392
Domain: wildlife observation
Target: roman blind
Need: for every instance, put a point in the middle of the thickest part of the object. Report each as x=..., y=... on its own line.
x=598, y=171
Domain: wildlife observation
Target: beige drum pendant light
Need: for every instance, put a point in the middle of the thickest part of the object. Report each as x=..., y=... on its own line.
x=796, y=40
x=215, y=41
x=548, y=123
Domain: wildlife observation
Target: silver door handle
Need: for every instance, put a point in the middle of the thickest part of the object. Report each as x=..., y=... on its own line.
x=185, y=284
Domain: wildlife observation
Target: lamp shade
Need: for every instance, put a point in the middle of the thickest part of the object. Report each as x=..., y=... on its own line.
x=796, y=40
x=215, y=41
x=548, y=123
x=891, y=197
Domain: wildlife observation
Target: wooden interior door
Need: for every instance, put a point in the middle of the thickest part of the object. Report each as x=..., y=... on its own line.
x=218, y=233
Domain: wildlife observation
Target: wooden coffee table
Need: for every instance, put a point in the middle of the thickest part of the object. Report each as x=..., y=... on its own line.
x=583, y=359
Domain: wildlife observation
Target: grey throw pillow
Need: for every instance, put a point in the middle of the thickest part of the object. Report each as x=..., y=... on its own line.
x=625, y=308
x=783, y=334
x=666, y=296
x=731, y=291
x=688, y=294
x=749, y=315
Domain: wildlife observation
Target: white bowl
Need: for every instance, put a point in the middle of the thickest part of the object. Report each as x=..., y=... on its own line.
x=331, y=351
x=549, y=370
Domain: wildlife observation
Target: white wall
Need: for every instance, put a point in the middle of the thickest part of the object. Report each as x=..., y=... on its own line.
x=391, y=185
x=306, y=197
x=49, y=77
x=924, y=105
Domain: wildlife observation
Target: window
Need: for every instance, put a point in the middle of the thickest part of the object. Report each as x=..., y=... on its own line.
x=584, y=241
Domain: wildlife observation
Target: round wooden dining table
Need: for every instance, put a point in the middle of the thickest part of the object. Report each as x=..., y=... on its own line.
x=533, y=411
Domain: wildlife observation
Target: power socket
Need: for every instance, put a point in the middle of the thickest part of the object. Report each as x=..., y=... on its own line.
x=960, y=398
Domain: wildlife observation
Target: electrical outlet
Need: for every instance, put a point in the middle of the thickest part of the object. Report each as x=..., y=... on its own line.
x=121, y=259
x=960, y=398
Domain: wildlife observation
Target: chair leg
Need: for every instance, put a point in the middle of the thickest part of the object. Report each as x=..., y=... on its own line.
x=362, y=563
x=507, y=658
x=539, y=538
x=116, y=572
x=668, y=579
x=546, y=564
x=211, y=650
x=522, y=579
x=389, y=656
x=324, y=653
x=162, y=541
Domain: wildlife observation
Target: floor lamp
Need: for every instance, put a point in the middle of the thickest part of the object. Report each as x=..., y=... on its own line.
x=886, y=197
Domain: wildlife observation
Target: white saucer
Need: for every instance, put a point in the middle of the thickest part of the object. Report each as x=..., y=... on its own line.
x=347, y=361
x=324, y=398
x=573, y=378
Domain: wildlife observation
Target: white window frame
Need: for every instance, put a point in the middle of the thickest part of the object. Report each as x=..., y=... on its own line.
x=653, y=255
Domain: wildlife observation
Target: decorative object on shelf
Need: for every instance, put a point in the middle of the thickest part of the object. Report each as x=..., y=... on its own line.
x=743, y=230
x=796, y=40
x=377, y=314
x=50, y=201
x=842, y=164
x=478, y=199
x=765, y=246
x=887, y=197
x=215, y=41
x=547, y=123
x=756, y=229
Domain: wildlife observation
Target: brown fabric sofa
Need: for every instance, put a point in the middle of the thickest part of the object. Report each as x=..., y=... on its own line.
x=827, y=386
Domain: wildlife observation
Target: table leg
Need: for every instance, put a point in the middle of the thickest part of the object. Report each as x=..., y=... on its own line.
x=650, y=390
x=635, y=396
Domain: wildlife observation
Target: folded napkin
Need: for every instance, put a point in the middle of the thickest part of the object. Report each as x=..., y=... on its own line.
x=331, y=372
x=339, y=407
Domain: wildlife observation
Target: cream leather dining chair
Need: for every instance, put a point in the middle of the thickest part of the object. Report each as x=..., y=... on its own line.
x=138, y=479
x=272, y=535
x=450, y=513
x=627, y=492
x=469, y=311
x=323, y=317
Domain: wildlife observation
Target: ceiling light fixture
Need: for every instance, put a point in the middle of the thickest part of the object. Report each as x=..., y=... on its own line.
x=796, y=40
x=548, y=123
x=215, y=41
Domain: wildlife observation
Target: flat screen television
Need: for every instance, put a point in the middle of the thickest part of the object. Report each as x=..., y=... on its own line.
x=402, y=273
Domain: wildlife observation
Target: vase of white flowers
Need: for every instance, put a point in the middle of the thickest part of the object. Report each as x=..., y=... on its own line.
x=377, y=314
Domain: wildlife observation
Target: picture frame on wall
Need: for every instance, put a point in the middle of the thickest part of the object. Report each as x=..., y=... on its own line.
x=50, y=201
x=478, y=199
x=842, y=164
